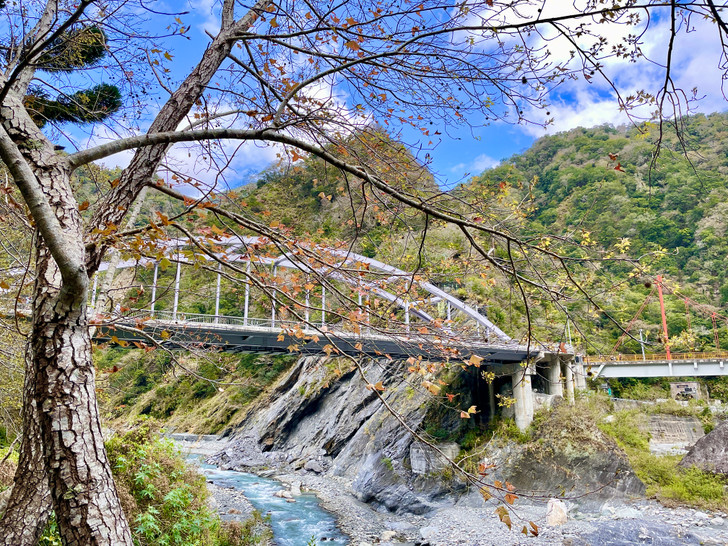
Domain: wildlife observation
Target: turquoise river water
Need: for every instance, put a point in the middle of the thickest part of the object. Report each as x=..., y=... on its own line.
x=293, y=523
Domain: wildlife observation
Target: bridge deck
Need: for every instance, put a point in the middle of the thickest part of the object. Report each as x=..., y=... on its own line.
x=288, y=337
x=680, y=365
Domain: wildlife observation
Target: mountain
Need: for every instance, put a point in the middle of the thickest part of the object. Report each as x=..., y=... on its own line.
x=605, y=185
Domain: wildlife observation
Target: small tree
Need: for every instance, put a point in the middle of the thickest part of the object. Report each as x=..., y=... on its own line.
x=269, y=75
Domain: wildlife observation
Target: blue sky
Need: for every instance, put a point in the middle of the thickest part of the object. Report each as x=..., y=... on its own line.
x=462, y=153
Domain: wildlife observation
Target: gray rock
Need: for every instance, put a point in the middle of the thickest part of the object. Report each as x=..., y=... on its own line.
x=425, y=460
x=428, y=532
x=313, y=466
x=585, y=462
x=627, y=512
x=629, y=532
x=710, y=453
x=283, y=494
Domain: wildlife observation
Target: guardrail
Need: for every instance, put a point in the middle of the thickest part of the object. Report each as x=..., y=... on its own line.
x=337, y=329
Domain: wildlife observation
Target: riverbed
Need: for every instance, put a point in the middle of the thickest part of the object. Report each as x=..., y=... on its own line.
x=468, y=522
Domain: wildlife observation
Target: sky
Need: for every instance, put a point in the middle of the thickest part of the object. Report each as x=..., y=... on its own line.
x=462, y=152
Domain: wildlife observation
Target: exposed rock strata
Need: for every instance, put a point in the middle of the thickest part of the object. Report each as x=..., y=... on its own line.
x=710, y=453
x=329, y=423
x=324, y=423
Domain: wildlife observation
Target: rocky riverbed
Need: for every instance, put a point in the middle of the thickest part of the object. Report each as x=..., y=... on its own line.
x=470, y=521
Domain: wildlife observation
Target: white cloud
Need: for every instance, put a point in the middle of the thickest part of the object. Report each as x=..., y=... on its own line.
x=695, y=64
x=698, y=61
x=206, y=14
x=479, y=164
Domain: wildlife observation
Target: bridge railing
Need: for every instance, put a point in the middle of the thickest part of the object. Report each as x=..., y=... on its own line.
x=222, y=321
x=338, y=329
x=601, y=359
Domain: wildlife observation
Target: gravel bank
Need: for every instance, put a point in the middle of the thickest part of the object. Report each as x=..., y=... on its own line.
x=470, y=523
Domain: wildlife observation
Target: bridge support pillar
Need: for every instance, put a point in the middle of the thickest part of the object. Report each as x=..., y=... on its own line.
x=491, y=401
x=569, y=377
x=556, y=386
x=521, y=380
x=580, y=375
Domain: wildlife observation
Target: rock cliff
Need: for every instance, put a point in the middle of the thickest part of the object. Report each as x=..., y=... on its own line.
x=323, y=419
x=710, y=453
x=320, y=417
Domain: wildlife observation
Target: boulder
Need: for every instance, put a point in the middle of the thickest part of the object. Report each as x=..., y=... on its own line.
x=556, y=513
x=296, y=489
x=313, y=466
x=710, y=453
x=283, y=494
x=568, y=453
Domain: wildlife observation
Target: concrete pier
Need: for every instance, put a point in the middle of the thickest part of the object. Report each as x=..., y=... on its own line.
x=569, y=375
x=580, y=375
x=553, y=373
x=522, y=392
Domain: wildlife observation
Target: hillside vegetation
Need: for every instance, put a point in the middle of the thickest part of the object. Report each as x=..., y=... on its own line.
x=601, y=186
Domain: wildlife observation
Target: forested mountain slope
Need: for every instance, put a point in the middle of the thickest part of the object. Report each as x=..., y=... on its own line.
x=602, y=185
x=679, y=203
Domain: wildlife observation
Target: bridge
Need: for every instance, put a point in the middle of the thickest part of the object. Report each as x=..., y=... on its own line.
x=658, y=365
x=378, y=290
x=346, y=304
x=667, y=364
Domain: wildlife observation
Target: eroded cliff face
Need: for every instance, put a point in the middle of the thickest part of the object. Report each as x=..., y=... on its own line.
x=322, y=418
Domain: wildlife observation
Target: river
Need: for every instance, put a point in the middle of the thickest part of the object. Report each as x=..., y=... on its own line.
x=300, y=523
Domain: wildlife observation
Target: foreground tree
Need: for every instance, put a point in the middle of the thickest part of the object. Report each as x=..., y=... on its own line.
x=274, y=73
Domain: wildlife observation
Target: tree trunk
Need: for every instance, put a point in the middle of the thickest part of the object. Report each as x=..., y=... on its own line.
x=29, y=505
x=61, y=373
x=84, y=496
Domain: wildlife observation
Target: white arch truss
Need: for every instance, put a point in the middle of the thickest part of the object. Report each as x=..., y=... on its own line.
x=290, y=261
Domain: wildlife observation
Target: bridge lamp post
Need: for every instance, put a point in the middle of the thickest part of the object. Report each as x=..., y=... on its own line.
x=306, y=311
x=176, y=287
x=93, y=294
x=323, y=306
x=217, y=294
x=273, y=299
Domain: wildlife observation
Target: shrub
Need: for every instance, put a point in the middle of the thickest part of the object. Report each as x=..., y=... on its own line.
x=662, y=476
x=627, y=429
x=675, y=485
x=165, y=501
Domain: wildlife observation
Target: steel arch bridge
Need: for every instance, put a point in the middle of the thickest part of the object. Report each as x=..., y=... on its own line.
x=248, y=333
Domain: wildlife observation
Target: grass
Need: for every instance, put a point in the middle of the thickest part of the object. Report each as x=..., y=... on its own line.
x=206, y=401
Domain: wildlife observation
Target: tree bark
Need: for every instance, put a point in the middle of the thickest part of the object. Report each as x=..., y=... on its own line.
x=29, y=505
x=84, y=496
